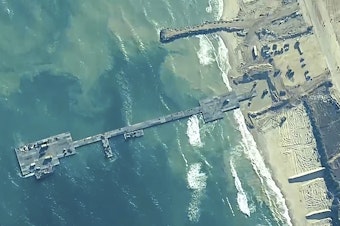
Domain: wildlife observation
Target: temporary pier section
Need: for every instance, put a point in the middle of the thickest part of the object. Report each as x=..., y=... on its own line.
x=40, y=157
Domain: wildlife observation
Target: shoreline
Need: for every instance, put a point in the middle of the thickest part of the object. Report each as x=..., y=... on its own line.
x=230, y=11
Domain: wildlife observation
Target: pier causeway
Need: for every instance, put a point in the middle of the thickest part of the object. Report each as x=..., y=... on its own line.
x=169, y=34
x=39, y=158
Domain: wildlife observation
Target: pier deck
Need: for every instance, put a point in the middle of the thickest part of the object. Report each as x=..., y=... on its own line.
x=39, y=158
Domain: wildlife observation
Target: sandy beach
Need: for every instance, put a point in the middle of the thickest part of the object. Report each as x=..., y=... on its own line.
x=289, y=150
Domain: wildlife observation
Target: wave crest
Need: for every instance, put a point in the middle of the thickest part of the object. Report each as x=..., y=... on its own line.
x=272, y=191
x=216, y=8
x=274, y=194
x=197, y=181
x=193, y=131
x=206, y=52
x=242, y=200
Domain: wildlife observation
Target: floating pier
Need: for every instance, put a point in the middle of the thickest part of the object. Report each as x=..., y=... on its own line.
x=39, y=158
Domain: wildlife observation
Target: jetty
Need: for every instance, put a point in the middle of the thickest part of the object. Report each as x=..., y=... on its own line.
x=39, y=158
x=169, y=35
x=242, y=27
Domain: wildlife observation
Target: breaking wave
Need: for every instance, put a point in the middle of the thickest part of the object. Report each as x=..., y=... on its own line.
x=272, y=191
x=223, y=61
x=197, y=181
x=123, y=48
x=206, y=52
x=216, y=8
x=193, y=131
x=242, y=200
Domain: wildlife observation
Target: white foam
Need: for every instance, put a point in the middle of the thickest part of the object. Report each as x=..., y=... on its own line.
x=184, y=159
x=229, y=204
x=223, y=61
x=216, y=8
x=250, y=149
x=193, y=131
x=207, y=163
x=226, y=198
x=163, y=102
x=278, y=204
x=195, y=178
x=208, y=9
x=122, y=47
x=206, y=52
x=194, y=212
x=242, y=200
x=6, y=8
x=197, y=181
x=155, y=201
x=153, y=22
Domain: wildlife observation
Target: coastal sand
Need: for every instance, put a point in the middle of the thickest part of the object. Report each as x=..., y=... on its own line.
x=290, y=150
x=281, y=164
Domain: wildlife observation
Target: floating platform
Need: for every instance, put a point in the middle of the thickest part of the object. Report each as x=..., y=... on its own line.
x=39, y=158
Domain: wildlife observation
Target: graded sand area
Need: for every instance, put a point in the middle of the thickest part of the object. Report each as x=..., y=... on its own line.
x=290, y=151
x=285, y=138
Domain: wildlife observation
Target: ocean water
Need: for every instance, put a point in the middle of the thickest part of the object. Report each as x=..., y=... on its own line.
x=92, y=66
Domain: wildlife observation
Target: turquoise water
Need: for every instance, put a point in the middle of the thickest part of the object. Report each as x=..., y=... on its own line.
x=91, y=66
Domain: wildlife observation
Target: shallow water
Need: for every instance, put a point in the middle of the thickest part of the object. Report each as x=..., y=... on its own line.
x=91, y=66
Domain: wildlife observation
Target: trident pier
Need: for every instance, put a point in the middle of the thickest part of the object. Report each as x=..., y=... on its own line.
x=39, y=158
